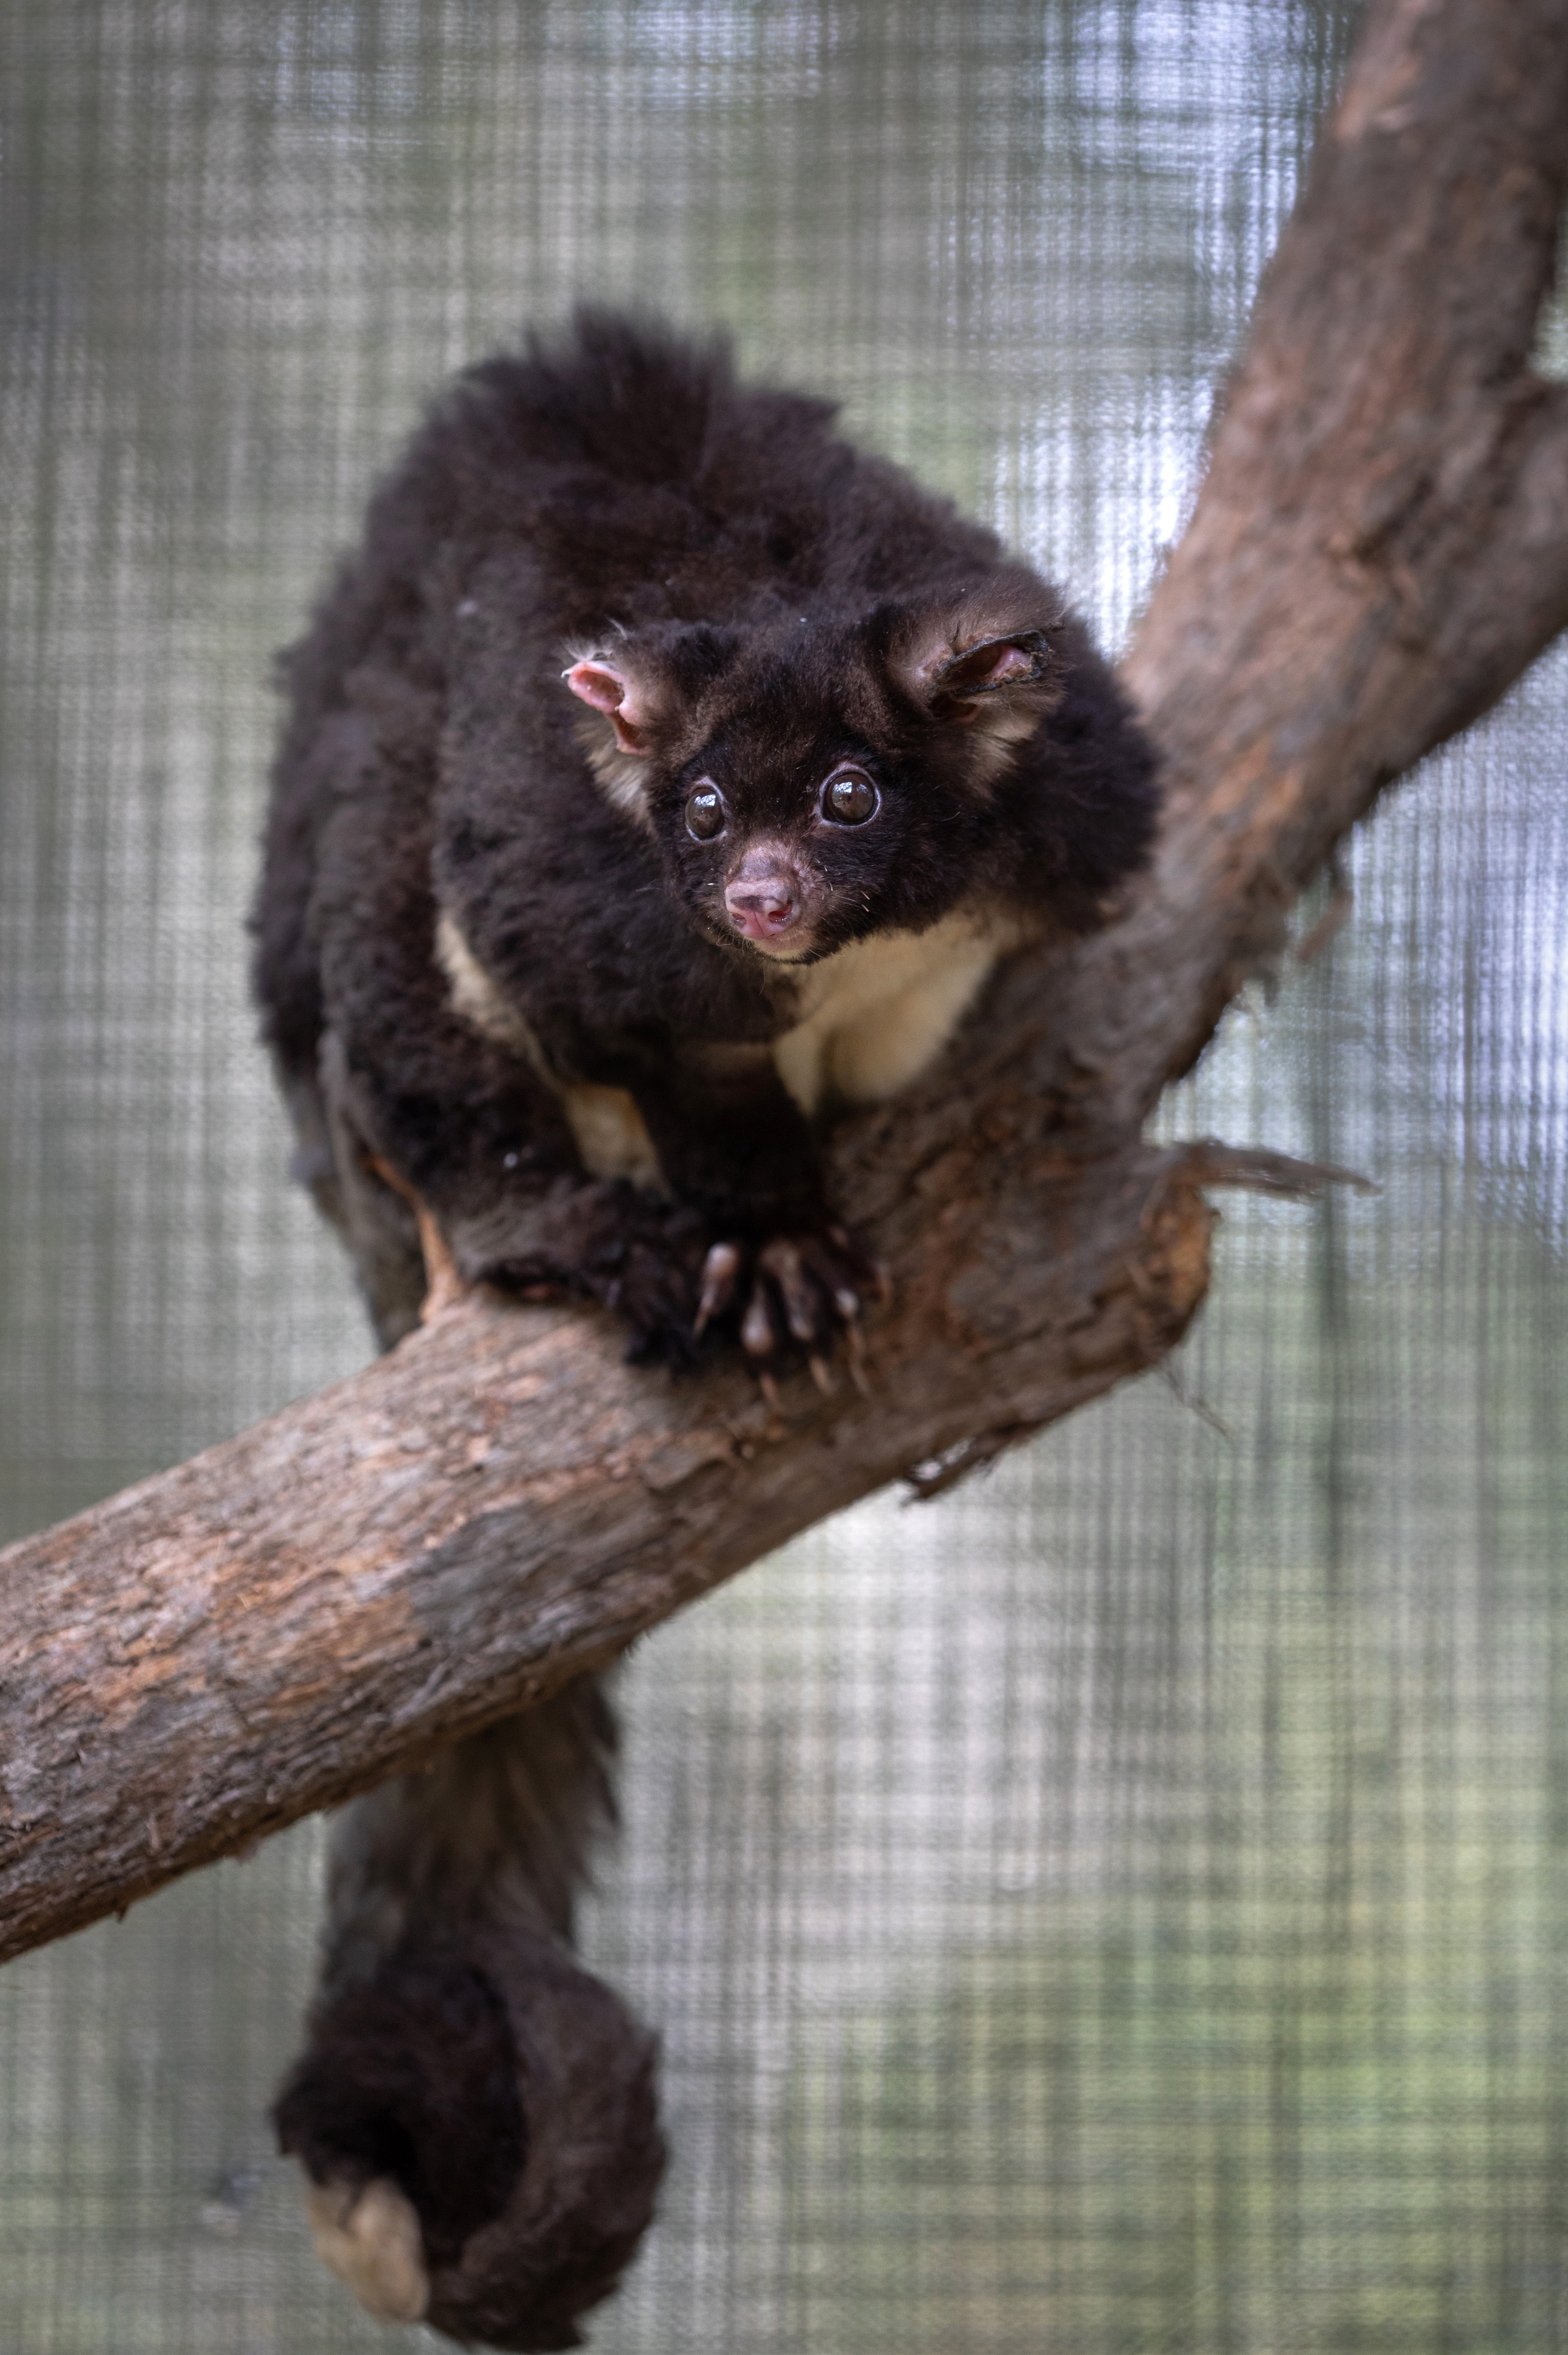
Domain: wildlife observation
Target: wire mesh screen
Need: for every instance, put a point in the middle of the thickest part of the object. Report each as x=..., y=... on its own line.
x=1124, y=1904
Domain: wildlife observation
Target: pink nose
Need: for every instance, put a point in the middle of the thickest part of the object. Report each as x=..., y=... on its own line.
x=760, y=907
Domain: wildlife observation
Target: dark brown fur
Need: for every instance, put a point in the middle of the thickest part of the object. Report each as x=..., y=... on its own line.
x=603, y=578
x=775, y=589
x=458, y=2050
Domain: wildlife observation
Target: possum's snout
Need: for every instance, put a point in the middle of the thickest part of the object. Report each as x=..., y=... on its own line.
x=764, y=909
x=766, y=898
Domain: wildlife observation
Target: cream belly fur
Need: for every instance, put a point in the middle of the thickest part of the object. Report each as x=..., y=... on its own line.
x=609, y=1129
x=881, y=1011
x=874, y=1016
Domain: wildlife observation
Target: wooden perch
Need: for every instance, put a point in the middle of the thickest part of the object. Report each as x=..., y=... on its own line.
x=1379, y=546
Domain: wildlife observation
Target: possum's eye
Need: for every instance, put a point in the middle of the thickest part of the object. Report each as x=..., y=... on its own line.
x=849, y=798
x=705, y=811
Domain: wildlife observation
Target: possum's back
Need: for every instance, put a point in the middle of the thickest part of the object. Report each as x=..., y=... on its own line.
x=652, y=485
x=644, y=483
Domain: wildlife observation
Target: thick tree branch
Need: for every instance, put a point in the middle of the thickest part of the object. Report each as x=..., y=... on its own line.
x=1379, y=546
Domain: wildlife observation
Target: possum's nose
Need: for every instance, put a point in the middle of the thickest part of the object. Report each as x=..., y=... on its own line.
x=762, y=902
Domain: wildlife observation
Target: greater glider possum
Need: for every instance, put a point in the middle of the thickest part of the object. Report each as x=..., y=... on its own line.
x=661, y=775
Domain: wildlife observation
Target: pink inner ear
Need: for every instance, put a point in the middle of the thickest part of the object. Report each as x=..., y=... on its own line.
x=1011, y=662
x=615, y=696
x=982, y=667
x=978, y=667
x=597, y=686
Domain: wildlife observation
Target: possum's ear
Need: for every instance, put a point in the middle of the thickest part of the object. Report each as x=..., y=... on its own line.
x=955, y=681
x=650, y=688
x=984, y=662
x=609, y=684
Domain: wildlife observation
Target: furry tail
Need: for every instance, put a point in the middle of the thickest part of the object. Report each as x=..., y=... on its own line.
x=476, y=2114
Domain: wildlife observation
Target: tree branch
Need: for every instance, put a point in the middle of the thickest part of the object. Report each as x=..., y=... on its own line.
x=1379, y=546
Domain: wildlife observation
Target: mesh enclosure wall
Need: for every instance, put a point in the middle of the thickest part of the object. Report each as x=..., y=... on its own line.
x=1124, y=1904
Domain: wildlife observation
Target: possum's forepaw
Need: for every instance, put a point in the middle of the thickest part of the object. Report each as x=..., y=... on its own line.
x=793, y=1295
x=478, y=2125
x=653, y=1289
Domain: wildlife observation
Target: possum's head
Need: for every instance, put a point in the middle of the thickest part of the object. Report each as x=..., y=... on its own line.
x=819, y=778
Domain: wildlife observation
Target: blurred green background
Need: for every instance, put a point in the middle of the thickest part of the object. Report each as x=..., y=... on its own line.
x=1122, y=1906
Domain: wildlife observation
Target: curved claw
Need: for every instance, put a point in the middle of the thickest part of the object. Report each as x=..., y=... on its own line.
x=785, y=1264
x=879, y=1271
x=829, y=1274
x=757, y=1337
x=719, y=1271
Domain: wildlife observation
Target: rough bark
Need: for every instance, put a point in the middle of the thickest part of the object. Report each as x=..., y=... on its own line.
x=1379, y=546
